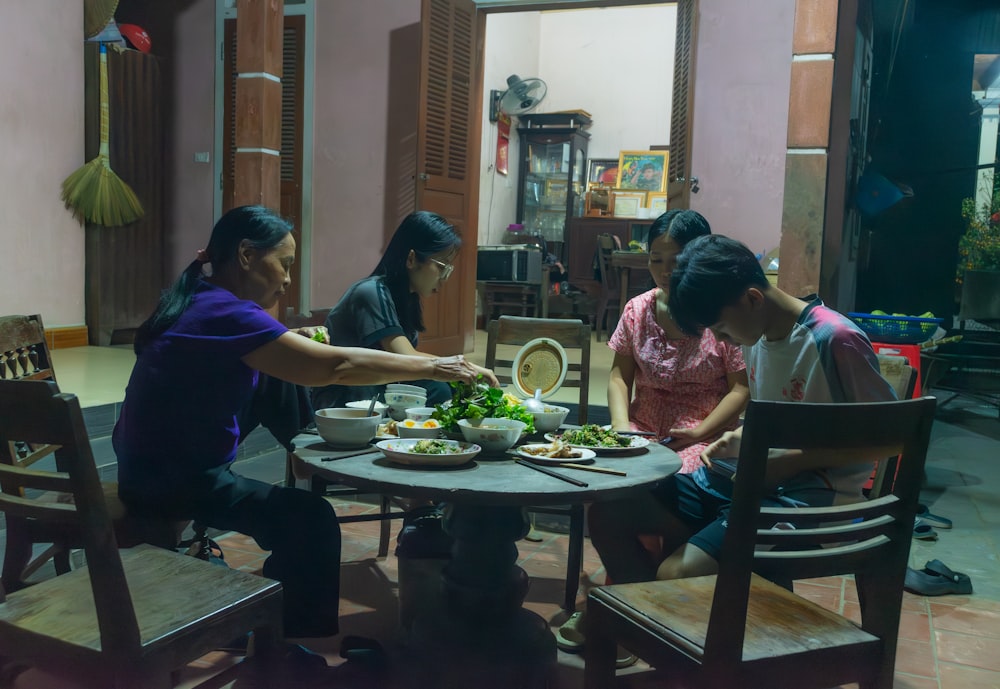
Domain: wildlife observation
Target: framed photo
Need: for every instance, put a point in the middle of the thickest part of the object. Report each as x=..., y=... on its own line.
x=555, y=191
x=645, y=170
x=627, y=202
x=600, y=202
x=602, y=171
x=657, y=203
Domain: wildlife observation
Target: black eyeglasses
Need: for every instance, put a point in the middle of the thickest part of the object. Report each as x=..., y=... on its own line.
x=446, y=268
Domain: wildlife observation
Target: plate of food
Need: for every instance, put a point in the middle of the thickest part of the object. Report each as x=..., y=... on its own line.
x=601, y=440
x=387, y=430
x=428, y=452
x=556, y=452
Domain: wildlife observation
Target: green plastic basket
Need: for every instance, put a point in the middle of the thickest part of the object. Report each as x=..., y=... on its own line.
x=896, y=329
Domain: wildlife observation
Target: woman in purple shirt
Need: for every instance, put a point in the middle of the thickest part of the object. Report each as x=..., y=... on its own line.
x=198, y=360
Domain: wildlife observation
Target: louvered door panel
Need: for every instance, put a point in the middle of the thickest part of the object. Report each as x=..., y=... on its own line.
x=679, y=165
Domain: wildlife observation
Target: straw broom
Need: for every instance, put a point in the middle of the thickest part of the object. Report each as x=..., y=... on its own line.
x=94, y=192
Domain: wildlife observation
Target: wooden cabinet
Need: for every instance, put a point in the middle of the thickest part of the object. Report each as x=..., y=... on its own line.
x=551, y=173
x=581, y=246
x=125, y=266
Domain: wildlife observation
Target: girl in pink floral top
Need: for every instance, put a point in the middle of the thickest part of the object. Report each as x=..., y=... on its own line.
x=689, y=388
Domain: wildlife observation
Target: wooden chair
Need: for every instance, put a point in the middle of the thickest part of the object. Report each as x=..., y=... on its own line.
x=507, y=335
x=297, y=469
x=130, y=617
x=610, y=283
x=903, y=379
x=737, y=629
x=24, y=355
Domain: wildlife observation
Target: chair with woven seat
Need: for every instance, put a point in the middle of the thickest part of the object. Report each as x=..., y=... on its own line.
x=297, y=469
x=504, y=337
x=738, y=629
x=131, y=617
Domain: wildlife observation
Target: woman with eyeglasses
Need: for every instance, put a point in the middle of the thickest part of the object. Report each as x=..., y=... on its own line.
x=384, y=310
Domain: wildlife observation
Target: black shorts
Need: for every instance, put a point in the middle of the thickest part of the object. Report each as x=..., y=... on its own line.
x=706, y=513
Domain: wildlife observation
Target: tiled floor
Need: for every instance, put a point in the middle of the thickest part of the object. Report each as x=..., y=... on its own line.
x=948, y=642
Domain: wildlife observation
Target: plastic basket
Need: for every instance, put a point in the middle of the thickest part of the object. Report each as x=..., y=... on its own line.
x=896, y=329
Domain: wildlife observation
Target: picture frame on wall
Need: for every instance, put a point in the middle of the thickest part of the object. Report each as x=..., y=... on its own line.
x=656, y=201
x=600, y=202
x=602, y=171
x=642, y=170
x=627, y=202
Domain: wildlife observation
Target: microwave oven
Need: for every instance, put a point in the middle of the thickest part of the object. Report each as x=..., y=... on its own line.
x=509, y=263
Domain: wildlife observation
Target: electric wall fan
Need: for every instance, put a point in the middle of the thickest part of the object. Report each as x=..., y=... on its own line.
x=521, y=96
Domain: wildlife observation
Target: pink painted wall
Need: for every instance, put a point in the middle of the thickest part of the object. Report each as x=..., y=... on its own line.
x=41, y=119
x=741, y=117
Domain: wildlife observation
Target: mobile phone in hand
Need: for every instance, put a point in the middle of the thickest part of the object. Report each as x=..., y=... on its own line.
x=666, y=441
x=724, y=467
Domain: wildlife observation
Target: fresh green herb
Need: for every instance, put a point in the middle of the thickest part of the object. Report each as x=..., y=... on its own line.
x=480, y=401
x=319, y=336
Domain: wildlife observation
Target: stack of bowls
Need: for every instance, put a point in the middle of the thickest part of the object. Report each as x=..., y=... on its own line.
x=400, y=397
x=347, y=429
x=380, y=407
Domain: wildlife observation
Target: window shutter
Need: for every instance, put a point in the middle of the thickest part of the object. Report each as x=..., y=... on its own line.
x=680, y=129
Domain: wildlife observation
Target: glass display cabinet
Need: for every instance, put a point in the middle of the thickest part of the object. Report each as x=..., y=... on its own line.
x=552, y=172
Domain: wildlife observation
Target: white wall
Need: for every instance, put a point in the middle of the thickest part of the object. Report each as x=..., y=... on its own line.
x=739, y=140
x=41, y=117
x=616, y=63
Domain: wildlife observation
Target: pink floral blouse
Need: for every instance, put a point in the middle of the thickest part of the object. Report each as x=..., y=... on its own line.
x=678, y=382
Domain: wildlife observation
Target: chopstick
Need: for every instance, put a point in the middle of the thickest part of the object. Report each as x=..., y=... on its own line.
x=599, y=470
x=643, y=434
x=554, y=474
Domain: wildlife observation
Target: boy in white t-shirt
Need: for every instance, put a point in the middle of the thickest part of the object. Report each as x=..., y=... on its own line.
x=796, y=351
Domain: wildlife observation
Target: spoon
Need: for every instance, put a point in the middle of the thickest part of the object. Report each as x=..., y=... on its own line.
x=535, y=404
x=371, y=407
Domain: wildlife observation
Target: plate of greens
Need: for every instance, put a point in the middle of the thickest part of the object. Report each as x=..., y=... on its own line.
x=601, y=440
x=480, y=401
x=428, y=452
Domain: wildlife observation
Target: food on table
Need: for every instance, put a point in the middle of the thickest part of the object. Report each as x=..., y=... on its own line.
x=388, y=428
x=592, y=435
x=557, y=450
x=410, y=423
x=480, y=401
x=436, y=447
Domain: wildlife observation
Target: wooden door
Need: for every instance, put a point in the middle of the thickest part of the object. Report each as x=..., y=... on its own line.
x=448, y=132
x=293, y=69
x=679, y=171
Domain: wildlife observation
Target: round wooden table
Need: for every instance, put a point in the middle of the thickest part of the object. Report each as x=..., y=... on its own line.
x=480, y=630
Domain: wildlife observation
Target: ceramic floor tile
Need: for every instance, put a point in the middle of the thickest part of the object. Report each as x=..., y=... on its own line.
x=964, y=677
x=903, y=681
x=969, y=619
x=915, y=658
x=966, y=649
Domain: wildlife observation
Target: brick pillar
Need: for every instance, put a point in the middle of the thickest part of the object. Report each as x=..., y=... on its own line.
x=259, y=38
x=808, y=158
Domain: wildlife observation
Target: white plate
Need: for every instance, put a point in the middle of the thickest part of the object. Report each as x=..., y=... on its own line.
x=585, y=455
x=539, y=364
x=401, y=451
x=636, y=442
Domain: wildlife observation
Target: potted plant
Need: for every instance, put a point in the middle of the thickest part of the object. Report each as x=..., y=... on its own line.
x=978, y=270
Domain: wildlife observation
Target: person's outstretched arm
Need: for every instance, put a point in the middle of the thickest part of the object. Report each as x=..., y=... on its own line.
x=620, y=382
x=398, y=344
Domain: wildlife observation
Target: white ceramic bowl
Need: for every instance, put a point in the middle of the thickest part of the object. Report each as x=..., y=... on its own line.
x=380, y=407
x=399, y=402
x=404, y=387
x=345, y=429
x=493, y=435
x=419, y=413
x=409, y=428
x=402, y=452
x=550, y=419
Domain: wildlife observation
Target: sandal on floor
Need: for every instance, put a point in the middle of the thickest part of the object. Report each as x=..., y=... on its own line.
x=926, y=582
x=624, y=658
x=960, y=580
x=924, y=532
x=569, y=636
x=925, y=515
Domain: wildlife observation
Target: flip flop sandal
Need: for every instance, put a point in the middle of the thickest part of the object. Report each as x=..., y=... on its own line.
x=625, y=658
x=927, y=583
x=925, y=515
x=924, y=532
x=569, y=636
x=962, y=582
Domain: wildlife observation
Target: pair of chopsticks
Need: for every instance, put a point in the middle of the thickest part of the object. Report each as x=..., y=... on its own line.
x=553, y=474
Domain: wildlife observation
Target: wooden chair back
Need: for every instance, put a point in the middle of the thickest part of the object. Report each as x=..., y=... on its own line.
x=24, y=355
x=508, y=333
x=606, y=244
x=129, y=617
x=782, y=639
